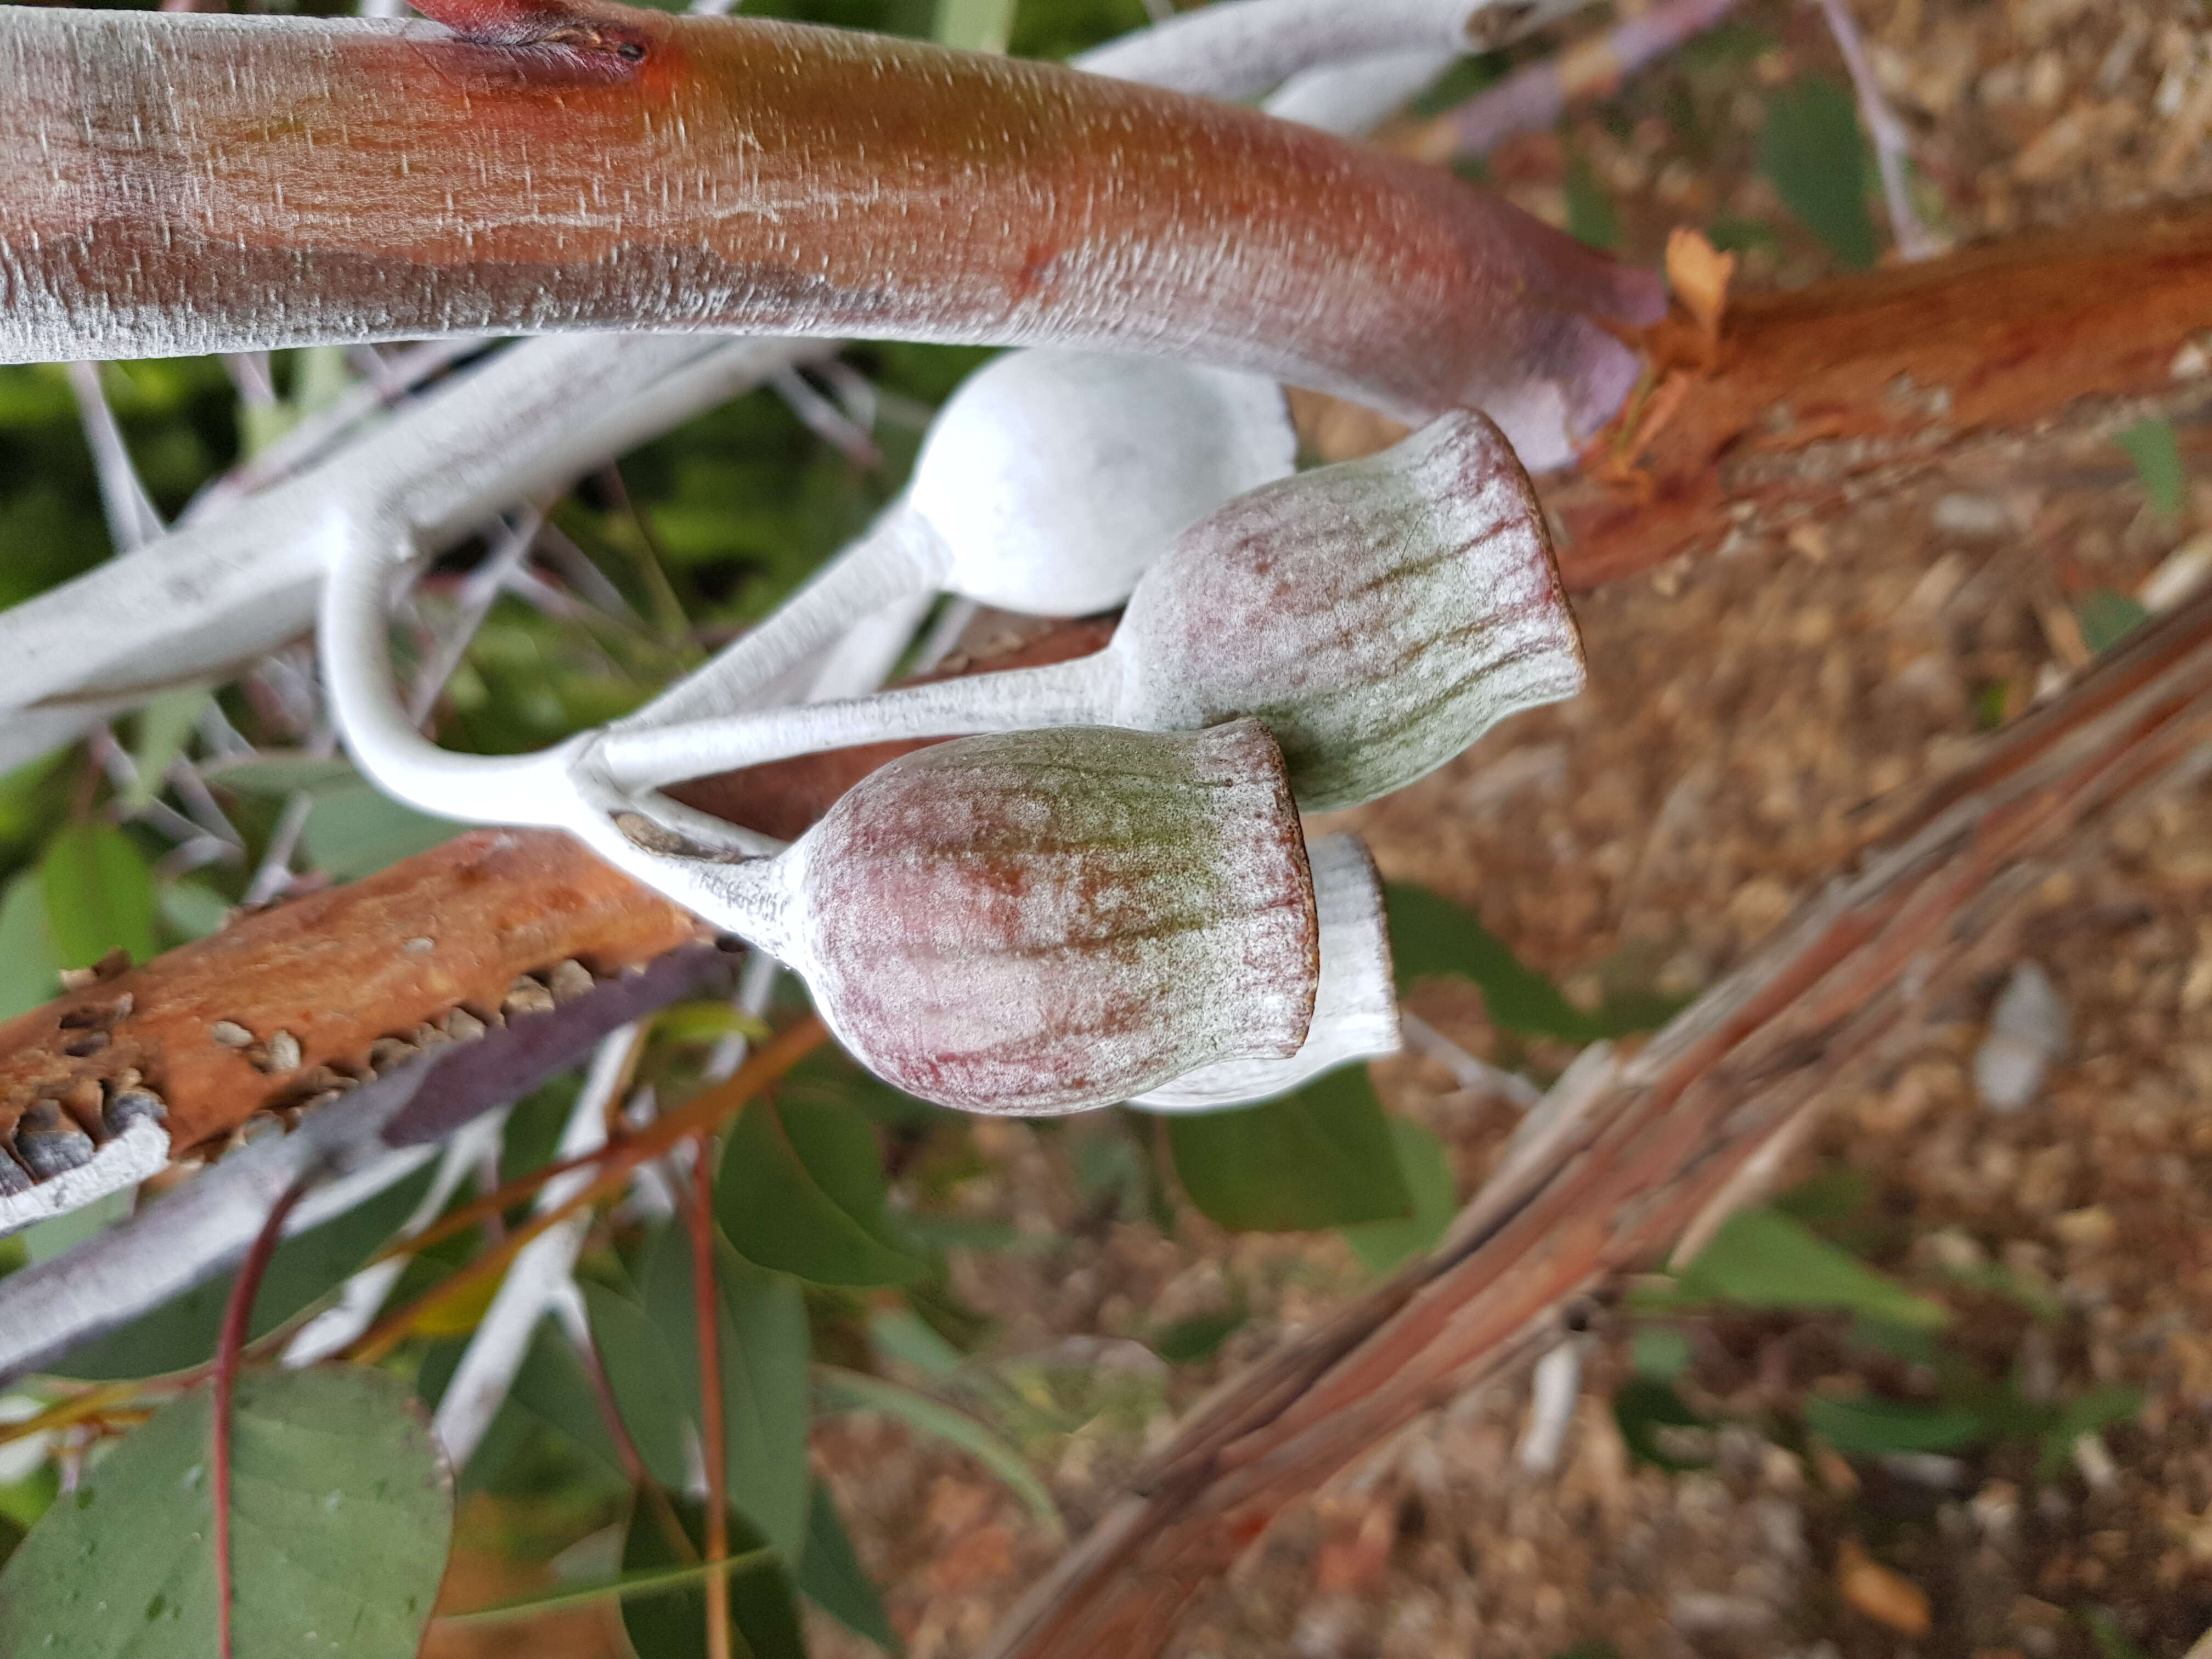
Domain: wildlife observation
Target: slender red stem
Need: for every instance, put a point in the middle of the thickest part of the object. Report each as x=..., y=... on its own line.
x=700, y=1215
x=230, y=1344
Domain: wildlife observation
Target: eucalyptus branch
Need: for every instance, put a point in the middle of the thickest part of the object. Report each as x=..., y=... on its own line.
x=1096, y=213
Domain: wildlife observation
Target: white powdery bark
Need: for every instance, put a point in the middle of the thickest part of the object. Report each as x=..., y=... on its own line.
x=1240, y=47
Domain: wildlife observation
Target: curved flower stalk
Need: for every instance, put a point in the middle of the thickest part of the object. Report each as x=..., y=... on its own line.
x=1044, y=921
x=1048, y=483
x=1378, y=615
x=1355, y=1005
x=242, y=183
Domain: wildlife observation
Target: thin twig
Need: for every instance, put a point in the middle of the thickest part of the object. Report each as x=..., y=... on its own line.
x=705, y=1111
x=132, y=520
x=478, y=593
x=1470, y=1070
x=1893, y=145
x=706, y=1305
x=237, y=1313
x=1534, y=98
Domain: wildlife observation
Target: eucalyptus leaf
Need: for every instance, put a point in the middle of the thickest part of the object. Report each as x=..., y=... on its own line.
x=1642, y=1407
x=165, y=726
x=1760, y=1258
x=642, y=1372
x=98, y=892
x=181, y=1333
x=1431, y=936
x=1811, y=152
x=29, y=974
x=831, y=1576
x=765, y=1353
x=673, y=1624
x=1322, y=1157
x=974, y=25
x=801, y=1190
x=1424, y=1164
x=341, y=1514
x=2156, y=452
x=857, y=1391
x=1874, y=1428
x=356, y=830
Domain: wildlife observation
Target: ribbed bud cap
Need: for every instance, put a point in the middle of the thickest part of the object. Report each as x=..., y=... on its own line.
x=1379, y=616
x=1043, y=921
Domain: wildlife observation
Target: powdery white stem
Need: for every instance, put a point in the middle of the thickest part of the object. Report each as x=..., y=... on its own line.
x=546, y=1264
x=1240, y=47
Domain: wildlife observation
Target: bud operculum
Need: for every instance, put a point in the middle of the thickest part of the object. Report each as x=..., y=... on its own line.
x=1355, y=1011
x=1378, y=615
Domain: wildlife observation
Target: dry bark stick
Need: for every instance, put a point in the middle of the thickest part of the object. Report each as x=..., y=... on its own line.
x=1616, y=1170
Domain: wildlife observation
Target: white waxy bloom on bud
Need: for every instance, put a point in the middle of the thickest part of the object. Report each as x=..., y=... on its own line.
x=1043, y=921
x=1355, y=1008
x=1048, y=483
x=1378, y=615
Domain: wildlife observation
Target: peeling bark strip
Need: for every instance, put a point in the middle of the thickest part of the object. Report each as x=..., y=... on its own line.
x=1617, y=1170
x=195, y=183
x=1885, y=371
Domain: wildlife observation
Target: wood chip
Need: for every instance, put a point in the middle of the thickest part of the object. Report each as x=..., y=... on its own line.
x=1885, y=1596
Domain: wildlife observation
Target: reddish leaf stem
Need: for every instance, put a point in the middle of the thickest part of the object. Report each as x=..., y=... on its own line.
x=699, y=1215
x=230, y=1344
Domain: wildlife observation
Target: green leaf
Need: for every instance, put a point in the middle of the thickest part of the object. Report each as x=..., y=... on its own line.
x=1430, y=935
x=1189, y=1340
x=2152, y=446
x=1762, y=1259
x=1322, y=1157
x=974, y=25
x=858, y=1391
x=1591, y=215
x=673, y=1624
x=165, y=726
x=2107, y=618
x=1641, y=1407
x=553, y=1386
x=340, y=1517
x=764, y=1352
x=181, y=1333
x=1424, y=1164
x=1812, y=154
x=1868, y=1427
x=649, y=1581
x=356, y=830
x=642, y=1370
x=99, y=895
x=1661, y=1352
x=29, y=974
x=278, y=776
x=801, y=1190
x=831, y=1576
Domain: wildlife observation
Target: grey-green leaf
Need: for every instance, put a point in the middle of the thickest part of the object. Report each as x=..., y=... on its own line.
x=1426, y=1165
x=1812, y=154
x=831, y=1576
x=801, y=1190
x=1322, y=1157
x=341, y=1516
x=29, y=973
x=1762, y=1259
x=99, y=895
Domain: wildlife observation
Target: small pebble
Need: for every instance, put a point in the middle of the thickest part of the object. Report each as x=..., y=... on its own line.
x=230, y=1034
x=418, y=947
x=462, y=1026
x=283, y=1053
x=2028, y=1029
x=13, y=1181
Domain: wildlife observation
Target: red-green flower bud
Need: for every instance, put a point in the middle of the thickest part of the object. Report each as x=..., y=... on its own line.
x=1042, y=921
x=1378, y=616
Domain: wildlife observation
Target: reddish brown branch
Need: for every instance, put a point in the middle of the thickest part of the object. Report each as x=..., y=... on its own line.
x=1619, y=1170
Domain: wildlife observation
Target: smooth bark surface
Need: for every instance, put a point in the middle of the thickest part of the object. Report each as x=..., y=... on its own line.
x=190, y=182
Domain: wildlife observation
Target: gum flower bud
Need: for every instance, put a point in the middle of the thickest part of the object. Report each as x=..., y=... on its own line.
x=1378, y=615
x=1355, y=1009
x=1043, y=921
